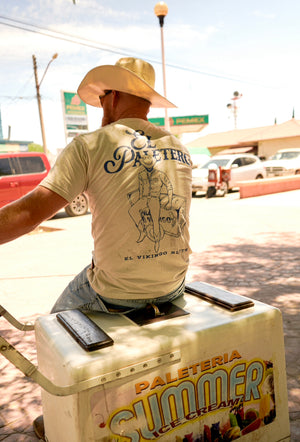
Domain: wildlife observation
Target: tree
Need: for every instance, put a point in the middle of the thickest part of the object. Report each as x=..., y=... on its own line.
x=33, y=147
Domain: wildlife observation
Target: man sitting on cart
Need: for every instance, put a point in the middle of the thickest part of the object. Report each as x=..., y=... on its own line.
x=107, y=165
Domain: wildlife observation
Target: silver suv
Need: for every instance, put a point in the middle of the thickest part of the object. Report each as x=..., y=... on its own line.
x=243, y=167
x=284, y=162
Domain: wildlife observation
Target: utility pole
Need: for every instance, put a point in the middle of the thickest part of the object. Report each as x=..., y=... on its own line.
x=38, y=96
x=233, y=107
x=161, y=10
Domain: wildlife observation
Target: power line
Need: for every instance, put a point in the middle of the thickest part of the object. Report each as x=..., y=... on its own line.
x=64, y=36
x=16, y=97
x=59, y=33
x=19, y=95
x=108, y=48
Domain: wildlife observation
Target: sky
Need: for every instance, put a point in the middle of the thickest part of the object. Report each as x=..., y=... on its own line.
x=212, y=49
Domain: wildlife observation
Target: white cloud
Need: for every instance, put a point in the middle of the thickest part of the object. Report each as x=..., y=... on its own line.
x=188, y=36
x=266, y=15
x=189, y=42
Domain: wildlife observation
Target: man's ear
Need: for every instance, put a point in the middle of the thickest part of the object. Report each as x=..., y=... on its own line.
x=116, y=98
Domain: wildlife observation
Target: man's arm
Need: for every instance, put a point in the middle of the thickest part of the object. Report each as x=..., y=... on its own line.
x=23, y=215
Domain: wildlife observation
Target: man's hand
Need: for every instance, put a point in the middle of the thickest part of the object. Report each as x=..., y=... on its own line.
x=25, y=214
x=168, y=206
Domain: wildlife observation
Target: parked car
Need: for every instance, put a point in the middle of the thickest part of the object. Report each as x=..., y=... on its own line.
x=199, y=159
x=21, y=172
x=284, y=162
x=242, y=167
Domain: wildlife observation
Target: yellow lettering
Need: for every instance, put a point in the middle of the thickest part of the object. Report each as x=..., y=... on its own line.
x=234, y=355
x=183, y=373
x=212, y=407
x=169, y=379
x=141, y=386
x=218, y=360
x=194, y=368
x=164, y=429
x=175, y=423
x=157, y=382
x=205, y=365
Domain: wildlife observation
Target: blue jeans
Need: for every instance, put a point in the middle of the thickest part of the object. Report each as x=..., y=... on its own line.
x=79, y=294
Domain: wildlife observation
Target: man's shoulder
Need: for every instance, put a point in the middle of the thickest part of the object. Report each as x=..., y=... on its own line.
x=89, y=137
x=111, y=128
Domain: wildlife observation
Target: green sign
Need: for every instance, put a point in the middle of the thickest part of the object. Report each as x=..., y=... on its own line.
x=75, y=113
x=73, y=104
x=181, y=121
x=193, y=119
x=157, y=121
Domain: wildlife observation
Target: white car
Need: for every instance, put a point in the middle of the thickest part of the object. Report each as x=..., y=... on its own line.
x=243, y=167
x=284, y=162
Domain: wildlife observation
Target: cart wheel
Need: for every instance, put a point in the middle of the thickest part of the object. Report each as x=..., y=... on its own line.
x=79, y=206
x=211, y=191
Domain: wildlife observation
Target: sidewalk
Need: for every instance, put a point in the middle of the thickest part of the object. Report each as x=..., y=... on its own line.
x=249, y=246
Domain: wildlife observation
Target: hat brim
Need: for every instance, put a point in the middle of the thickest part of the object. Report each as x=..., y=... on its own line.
x=117, y=78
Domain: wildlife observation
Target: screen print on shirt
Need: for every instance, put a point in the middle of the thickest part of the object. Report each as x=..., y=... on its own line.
x=154, y=207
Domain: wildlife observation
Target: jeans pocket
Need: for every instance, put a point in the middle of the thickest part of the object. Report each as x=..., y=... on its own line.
x=95, y=305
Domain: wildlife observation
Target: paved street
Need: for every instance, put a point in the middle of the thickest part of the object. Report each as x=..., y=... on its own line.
x=249, y=246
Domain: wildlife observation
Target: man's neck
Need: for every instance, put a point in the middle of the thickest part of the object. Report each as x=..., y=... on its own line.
x=105, y=122
x=131, y=114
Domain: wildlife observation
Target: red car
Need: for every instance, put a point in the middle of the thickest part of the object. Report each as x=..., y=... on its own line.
x=21, y=172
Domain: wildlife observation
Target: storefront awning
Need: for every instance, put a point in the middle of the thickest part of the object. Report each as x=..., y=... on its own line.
x=236, y=150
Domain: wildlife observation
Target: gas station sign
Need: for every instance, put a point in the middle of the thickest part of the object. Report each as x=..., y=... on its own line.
x=179, y=121
x=75, y=114
x=179, y=125
x=194, y=119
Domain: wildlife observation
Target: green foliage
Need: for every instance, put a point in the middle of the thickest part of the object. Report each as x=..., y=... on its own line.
x=33, y=147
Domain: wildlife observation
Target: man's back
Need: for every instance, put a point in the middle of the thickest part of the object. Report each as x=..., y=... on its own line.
x=138, y=180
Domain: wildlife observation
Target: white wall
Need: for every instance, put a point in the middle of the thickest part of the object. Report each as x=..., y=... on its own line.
x=267, y=148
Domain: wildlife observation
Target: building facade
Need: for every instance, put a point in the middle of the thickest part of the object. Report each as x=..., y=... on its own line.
x=262, y=141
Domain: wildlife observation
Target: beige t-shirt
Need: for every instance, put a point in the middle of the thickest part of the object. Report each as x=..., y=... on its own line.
x=138, y=181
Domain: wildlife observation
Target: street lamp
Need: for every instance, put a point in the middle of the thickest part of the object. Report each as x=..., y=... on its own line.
x=161, y=10
x=233, y=107
x=38, y=96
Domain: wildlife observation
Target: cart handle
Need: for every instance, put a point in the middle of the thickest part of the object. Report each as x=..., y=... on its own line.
x=30, y=370
x=14, y=321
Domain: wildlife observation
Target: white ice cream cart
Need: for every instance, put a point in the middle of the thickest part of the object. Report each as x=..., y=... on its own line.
x=210, y=369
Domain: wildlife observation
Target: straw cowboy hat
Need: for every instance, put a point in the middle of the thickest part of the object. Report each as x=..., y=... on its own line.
x=131, y=75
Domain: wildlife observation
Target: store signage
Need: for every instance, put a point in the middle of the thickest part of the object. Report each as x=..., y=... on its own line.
x=181, y=121
x=221, y=398
x=75, y=114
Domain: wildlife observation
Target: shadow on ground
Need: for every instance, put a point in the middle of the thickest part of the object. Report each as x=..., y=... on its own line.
x=20, y=399
x=265, y=267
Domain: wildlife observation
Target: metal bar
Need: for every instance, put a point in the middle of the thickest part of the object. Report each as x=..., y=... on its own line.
x=167, y=122
x=14, y=321
x=31, y=371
